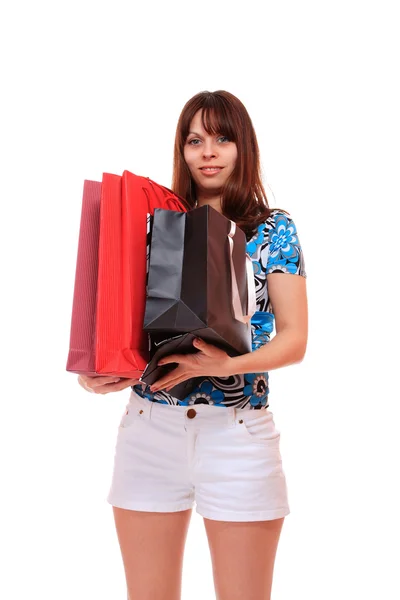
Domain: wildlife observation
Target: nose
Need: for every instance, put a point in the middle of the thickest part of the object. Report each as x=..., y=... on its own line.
x=209, y=149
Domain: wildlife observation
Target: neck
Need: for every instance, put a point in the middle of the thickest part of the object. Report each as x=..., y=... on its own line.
x=212, y=200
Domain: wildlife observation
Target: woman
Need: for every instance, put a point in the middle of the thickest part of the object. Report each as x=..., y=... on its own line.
x=219, y=447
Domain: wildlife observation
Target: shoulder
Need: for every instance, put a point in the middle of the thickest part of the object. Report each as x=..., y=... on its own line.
x=284, y=253
x=279, y=220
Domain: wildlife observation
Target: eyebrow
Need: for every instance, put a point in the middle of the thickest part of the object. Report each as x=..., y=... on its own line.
x=194, y=133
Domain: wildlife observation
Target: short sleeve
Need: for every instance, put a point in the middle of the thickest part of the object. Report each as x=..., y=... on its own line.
x=281, y=250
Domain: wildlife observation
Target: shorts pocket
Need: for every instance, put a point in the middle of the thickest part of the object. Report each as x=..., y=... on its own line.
x=259, y=428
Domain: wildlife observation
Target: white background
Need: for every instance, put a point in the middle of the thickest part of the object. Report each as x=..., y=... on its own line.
x=90, y=87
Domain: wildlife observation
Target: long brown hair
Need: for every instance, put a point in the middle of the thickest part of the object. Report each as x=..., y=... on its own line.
x=243, y=197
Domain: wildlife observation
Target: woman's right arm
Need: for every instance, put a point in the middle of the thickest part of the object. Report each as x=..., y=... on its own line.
x=101, y=384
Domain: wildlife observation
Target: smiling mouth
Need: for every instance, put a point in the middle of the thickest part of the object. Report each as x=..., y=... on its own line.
x=210, y=169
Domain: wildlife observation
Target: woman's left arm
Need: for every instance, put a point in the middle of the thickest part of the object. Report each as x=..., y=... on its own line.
x=288, y=295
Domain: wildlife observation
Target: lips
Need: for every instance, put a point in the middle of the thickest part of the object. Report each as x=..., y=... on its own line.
x=208, y=171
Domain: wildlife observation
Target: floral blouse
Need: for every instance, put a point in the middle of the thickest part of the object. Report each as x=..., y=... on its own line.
x=274, y=248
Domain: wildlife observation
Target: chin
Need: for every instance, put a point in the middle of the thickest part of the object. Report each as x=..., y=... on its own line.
x=211, y=189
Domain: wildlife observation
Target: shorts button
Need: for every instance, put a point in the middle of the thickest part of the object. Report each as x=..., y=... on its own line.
x=140, y=411
x=191, y=413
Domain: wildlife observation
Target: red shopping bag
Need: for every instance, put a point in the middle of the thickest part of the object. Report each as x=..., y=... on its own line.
x=120, y=346
x=81, y=356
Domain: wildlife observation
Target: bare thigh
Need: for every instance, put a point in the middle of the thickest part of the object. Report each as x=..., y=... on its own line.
x=152, y=546
x=243, y=557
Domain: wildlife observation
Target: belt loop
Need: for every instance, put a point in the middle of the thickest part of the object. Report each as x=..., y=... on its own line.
x=232, y=416
x=151, y=408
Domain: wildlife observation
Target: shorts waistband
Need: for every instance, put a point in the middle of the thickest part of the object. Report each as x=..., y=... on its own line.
x=204, y=415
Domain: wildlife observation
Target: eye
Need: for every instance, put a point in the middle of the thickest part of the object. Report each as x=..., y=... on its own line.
x=193, y=140
x=224, y=138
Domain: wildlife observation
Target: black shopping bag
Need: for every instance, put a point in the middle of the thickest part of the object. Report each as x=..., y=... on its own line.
x=161, y=346
x=200, y=282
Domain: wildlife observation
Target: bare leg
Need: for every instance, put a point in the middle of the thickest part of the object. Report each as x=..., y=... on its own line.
x=243, y=557
x=152, y=546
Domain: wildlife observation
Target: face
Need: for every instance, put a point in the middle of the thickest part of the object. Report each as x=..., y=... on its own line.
x=210, y=158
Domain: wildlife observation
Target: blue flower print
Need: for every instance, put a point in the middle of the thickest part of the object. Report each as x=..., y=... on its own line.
x=147, y=393
x=283, y=241
x=263, y=321
x=203, y=394
x=262, y=324
x=256, y=388
x=256, y=240
x=282, y=265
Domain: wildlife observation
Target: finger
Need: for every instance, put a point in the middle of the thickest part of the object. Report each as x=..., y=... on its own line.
x=163, y=381
x=172, y=384
x=104, y=380
x=124, y=383
x=173, y=358
x=109, y=388
x=208, y=349
x=129, y=382
x=87, y=381
x=115, y=385
x=87, y=388
x=99, y=379
x=159, y=384
x=83, y=383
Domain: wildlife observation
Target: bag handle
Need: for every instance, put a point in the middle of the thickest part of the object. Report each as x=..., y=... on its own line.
x=251, y=288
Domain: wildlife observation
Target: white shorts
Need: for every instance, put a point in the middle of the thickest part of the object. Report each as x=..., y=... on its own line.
x=224, y=461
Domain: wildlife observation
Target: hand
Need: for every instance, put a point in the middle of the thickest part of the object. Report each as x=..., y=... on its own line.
x=101, y=384
x=209, y=361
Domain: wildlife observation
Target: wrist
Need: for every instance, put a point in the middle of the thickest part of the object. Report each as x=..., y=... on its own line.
x=229, y=367
x=239, y=365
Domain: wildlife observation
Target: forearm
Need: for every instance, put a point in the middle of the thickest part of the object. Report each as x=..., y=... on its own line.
x=286, y=348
